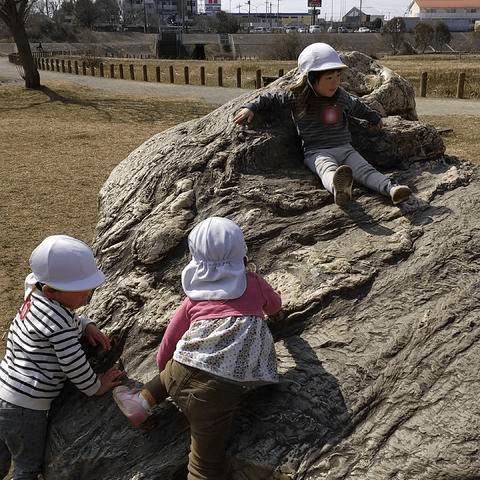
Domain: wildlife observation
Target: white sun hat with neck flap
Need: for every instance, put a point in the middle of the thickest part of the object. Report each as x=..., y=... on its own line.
x=318, y=57
x=217, y=269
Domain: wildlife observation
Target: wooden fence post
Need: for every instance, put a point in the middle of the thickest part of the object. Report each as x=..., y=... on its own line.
x=461, y=85
x=92, y=70
x=76, y=67
x=158, y=74
x=84, y=68
x=69, y=66
x=239, y=77
x=132, y=72
x=186, y=75
x=112, y=70
x=63, y=66
x=172, y=74
x=202, y=76
x=258, y=81
x=220, y=76
x=120, y=67
x=52, y=65
x=101, y=70
x=280, y=72
x=57, y=64
x=145, y=73
x=423, y=84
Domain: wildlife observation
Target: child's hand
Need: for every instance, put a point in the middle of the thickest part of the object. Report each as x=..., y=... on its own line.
x=244, y=115
x=95, y=336
x=109, y=380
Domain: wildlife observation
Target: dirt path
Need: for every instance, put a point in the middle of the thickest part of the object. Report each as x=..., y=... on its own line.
x=218, y=95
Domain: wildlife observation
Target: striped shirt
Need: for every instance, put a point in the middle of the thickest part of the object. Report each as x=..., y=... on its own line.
x=43, y=351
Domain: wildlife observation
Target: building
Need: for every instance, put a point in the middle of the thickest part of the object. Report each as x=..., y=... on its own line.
x=357, y=17
x=151, y=14
x=212, y=6
x=458, y=15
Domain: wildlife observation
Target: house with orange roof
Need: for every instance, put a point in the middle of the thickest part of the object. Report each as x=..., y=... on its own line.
x=458, y=15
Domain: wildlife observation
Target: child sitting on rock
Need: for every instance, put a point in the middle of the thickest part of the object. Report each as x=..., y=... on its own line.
x=320, y=110
x=216, y=347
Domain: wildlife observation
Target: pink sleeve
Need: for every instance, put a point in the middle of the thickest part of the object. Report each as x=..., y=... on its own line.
x=178, y=325
x=273, y=300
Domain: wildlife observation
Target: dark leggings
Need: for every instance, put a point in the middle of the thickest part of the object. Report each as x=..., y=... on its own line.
x=209, y=405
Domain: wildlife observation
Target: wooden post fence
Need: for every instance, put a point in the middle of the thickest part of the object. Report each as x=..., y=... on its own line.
x=239, y=77
x=220, y=76
x=461, y=85
x=423, y=84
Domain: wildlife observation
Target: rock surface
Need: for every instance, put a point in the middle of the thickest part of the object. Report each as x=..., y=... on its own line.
x=378, y=340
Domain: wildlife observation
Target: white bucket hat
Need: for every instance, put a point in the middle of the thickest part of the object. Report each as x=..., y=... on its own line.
x=318, y=57
x=66, y=264
x=217, y=269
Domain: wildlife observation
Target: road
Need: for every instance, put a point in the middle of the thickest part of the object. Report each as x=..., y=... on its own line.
x=216, y=95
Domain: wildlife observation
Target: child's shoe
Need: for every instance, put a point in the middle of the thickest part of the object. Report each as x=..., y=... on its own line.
x=132, y=404
x=400, y=193
x=342, y=185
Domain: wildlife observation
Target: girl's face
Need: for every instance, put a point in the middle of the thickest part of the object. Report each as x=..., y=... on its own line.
x=327, y=84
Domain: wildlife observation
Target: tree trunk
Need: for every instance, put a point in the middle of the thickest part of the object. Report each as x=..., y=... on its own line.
x=14, y=15
x=32, y=77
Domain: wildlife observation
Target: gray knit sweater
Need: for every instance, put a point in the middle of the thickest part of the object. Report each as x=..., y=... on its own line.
x=325, y=124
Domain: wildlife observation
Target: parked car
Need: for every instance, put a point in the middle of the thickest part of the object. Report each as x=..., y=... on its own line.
x=342, y=30
x=315, y=29
x=364, y=29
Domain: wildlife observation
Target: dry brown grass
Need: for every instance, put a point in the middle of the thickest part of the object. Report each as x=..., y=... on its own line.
x=58, y=147
x=442, y=72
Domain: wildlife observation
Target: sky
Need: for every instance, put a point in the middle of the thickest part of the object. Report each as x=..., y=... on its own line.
x=330, y=8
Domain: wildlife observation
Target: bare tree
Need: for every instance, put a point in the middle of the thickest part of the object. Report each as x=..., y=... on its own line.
x=394, y=30
x=424, y=35
x=442, y=35
x=14, y=13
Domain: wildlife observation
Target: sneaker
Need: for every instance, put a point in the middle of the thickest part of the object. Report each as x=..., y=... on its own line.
x=132, y=404
x=400, y=193
x=342, y=185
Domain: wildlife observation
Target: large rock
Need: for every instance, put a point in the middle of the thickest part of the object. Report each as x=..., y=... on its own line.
x=378, y=340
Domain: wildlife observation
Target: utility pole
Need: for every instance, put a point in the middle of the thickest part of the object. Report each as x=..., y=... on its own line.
x=145, y=26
